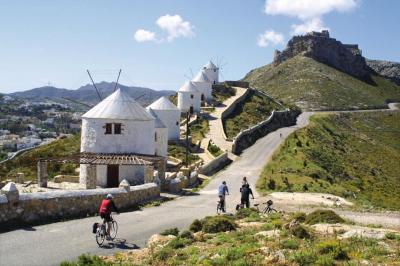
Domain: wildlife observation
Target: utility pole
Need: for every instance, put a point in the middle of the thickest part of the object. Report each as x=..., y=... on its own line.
x=187, y=138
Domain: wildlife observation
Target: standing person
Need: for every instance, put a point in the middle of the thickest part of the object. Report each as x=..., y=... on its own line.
x=246, y=191
x=222, y=191
x=106, y=207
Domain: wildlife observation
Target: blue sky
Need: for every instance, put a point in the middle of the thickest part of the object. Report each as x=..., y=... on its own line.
x=55, y=42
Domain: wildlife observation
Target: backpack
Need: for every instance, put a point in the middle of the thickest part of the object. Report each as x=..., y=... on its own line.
x=94, y=229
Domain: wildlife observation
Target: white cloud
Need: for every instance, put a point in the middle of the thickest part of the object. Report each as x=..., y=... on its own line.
x=307, y=9
x=315, y=24
x=144, y=36
x=269, y=37
x=175, y=27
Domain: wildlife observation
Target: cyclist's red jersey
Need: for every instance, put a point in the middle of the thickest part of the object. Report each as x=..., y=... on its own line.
x=106, y=206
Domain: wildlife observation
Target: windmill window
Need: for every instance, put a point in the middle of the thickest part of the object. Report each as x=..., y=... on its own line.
x=155, y=136
x=177, y=123
x=191, y=96
x=117, y=128
x=108, y=128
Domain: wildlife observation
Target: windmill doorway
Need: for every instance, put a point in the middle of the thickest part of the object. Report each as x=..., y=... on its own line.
x=112, y=175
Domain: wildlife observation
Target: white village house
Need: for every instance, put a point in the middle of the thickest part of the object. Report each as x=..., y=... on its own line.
x=189, y=98
x=203, y=84
x=169, y=115
x=120, y=126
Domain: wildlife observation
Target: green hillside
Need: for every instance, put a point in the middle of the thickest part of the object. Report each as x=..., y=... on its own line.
x=313, y=85
x=27, y=162
x=353, y=155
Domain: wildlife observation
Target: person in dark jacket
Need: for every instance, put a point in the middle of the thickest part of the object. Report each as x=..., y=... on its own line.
x=107, y=206
x=246, y=191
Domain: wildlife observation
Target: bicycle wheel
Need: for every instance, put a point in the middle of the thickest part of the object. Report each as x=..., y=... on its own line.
x=219, y=209
x=100, y=235
x=114, y=230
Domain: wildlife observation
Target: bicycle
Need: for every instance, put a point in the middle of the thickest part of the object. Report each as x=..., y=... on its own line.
x=221, y=206
x=101, y=231
x=268, y=208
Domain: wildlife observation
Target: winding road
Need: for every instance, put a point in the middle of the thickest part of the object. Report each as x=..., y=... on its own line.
x=50, y=244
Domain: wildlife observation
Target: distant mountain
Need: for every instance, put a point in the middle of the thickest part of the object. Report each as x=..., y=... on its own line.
x=387, y=69
x=87, y=93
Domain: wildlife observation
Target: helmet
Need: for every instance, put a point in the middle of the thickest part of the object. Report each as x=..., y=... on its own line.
x=109, y=196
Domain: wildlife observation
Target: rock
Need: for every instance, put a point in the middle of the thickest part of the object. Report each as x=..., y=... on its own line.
x=125, y=184
x=292, y=224
x=159, y=240
x=326, y=50
x=387, y=69
x=250, y=224
x=215, y=256
x=365, y=262
x=265, y=250
x=270, y=233
x=199, y=236
x=276, y=257
x=11, y=192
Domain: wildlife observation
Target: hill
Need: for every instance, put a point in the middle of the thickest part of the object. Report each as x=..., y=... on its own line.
x=387, y=69
x=353, y=155
x=87, y=93
x=313, y=85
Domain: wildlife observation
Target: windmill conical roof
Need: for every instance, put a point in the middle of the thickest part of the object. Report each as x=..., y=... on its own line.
x=157, y=123
x=188, y=87
x=201, y=77
x=163, y=104
x=210, y=65
x=119, y=105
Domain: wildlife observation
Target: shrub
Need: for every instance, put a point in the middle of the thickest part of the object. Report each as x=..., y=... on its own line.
x=164, y=253
x=196, y=226
x=180, y=242
x=172, y=231
x=289, y=244
x=300, y=231
x=325, y=260
x=392, y=235
x=246, y=212
x=86, y=260
x=299, y=216
x=186, y=234
x=323, y=216
x=271, y=184
x=334, y=248
x=304, y=257
x=216, y=224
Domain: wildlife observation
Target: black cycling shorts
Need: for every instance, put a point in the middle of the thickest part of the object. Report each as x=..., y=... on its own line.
x=106, y=216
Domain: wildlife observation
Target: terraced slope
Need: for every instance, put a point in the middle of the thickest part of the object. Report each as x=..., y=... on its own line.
x=315, y=86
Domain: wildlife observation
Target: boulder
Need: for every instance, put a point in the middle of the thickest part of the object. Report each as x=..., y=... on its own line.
x=159, y=240
x=125, y=185
x=11, y=192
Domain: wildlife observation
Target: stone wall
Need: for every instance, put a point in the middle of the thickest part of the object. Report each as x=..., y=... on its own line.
x=276, y=120
x=65, y=204
x=231, y=108
x=242, y=84
x=215, y=165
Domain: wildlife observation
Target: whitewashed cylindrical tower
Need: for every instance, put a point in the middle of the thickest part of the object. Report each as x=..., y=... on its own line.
x=169, y=115
x=161, y=135
x=212, y=72
x=203, y=84
x=117, y=125
x=189, y=98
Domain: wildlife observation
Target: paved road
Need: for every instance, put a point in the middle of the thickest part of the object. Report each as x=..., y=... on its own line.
x=50, y=244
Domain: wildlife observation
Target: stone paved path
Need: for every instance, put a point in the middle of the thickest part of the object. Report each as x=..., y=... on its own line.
x=216, y=133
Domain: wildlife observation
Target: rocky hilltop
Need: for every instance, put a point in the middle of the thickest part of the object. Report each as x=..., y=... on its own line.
x=324, y=49
x=387, y=69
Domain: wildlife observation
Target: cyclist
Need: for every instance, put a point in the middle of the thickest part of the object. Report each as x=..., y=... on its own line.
x=106, y=207
x=246, y=191
x=222, y=191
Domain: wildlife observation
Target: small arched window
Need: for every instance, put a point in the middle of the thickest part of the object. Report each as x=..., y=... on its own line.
x=191, y=96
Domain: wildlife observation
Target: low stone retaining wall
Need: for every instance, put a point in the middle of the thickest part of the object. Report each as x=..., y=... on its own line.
x=215, y=165
x=243, y=84
x=41, y=207
x=231, y=108
x=277, y=119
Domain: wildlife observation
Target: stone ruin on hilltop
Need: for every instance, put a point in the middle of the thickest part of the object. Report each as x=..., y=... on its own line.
x=324, y=49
